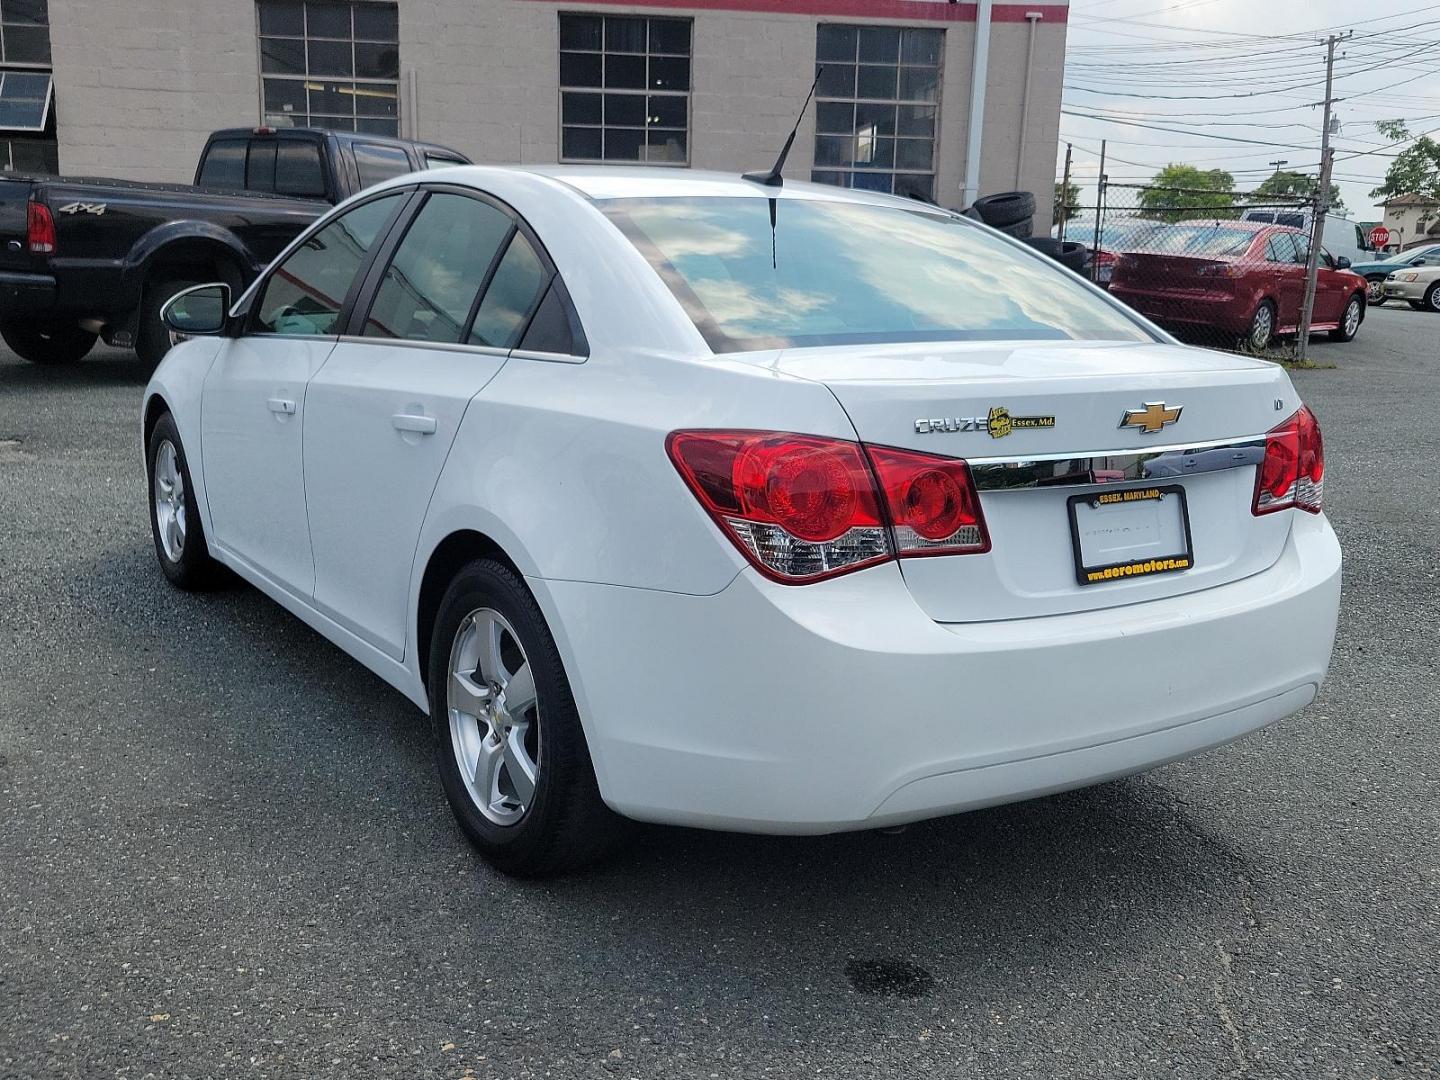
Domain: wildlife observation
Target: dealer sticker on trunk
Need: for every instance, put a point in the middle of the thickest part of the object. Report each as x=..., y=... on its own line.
x=1140, y=532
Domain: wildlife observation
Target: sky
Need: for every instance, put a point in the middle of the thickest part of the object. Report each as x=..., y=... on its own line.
x=1235, y=85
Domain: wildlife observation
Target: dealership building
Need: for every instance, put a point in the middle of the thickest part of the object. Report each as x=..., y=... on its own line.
x=935, y=98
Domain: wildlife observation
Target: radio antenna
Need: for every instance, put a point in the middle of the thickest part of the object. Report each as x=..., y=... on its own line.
x=773, y=178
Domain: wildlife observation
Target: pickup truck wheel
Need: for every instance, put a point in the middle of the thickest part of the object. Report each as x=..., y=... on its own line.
x=152, y=339
x=47, y=342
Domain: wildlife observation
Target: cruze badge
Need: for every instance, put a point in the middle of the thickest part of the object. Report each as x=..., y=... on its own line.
x=1154, y=416
x=998, y=423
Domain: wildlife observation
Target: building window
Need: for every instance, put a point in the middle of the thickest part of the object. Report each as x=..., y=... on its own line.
x=330, y=64
x=624, y=89
x=27, y=92
x=876, y=108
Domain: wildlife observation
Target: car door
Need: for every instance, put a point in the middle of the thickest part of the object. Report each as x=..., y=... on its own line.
x=1286, y=277
x=253, y=403
x=1332, y=289
x=440, y=313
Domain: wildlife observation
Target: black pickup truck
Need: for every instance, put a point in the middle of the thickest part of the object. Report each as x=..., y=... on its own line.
x=84, y=258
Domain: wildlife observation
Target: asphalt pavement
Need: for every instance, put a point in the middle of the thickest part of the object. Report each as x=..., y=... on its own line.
x=224, y=851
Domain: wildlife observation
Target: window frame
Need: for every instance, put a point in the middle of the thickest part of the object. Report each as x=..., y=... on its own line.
x=358, y=306
x=356, y=81
x=643, y=93
x=856, y=101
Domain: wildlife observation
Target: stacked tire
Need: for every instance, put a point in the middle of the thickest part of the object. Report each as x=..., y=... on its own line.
x=1011, y=212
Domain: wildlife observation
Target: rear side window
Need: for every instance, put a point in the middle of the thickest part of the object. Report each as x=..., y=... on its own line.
x=1280, y=248
x=430, y=287
x=224, y=164
x=305, y=293
x=433, y=162
x=511, y=298
x=375, y=163
x=299, y=170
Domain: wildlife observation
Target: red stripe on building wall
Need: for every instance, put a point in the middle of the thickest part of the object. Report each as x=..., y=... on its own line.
x=927, y=10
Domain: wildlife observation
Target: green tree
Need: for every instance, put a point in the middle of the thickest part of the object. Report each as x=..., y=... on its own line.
x=1296, y=185
x=1069, y=198
x=1415, y=170
x=1182, y=192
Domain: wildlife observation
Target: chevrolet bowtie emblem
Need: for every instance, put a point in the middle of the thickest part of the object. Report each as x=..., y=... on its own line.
x=1152, y=418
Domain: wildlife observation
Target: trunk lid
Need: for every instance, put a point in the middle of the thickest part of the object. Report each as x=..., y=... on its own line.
x=1065, y=401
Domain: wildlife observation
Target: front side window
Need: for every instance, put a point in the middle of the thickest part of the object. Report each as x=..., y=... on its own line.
x=843, y=273
x=431, y=284
x=876, y=108
x=330, y=64
x=305, y=293
x=624, y=89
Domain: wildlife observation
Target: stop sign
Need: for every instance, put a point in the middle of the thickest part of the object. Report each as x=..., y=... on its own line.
x=1379, y=236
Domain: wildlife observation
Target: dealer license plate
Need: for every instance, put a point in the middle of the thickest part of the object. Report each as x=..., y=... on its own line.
x=1140, y=532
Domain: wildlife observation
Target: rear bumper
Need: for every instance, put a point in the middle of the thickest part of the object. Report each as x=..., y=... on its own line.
x=841, y=705
x=26, y=294
x=1222, y=312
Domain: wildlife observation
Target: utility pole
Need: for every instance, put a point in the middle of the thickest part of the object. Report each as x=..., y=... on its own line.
x=1321, y=202
x=1277, y=164
x=1065, y=193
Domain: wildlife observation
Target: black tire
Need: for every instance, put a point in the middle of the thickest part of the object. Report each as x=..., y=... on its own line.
x=152, y=338
x=1254, y=339
x=1432, y=298
x=565, y=825
x=1375, y=296
x=47, y=342
x=1021, y=230
x=971, y=213
x=191, y=568
x=1068, y=253
x=1341, y=333
x=1005, y=208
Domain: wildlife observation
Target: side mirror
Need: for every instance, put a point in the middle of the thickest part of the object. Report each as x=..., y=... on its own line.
x=198, y=311
x=1342, y=262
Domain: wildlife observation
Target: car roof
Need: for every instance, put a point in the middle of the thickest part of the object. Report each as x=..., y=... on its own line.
x=600, y=182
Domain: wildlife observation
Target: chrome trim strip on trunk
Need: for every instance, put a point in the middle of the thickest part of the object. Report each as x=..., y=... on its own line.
x=1114, y=466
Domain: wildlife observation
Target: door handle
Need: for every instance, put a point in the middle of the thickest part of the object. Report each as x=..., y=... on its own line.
x=425, y=425
x=284, y=406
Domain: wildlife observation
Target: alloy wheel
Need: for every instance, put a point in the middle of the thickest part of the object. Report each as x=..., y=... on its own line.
x=170, y=501
x=1262, y=327
x=1352, y=318
x=1435, y=298
x=1374, y=290
x=494, y=717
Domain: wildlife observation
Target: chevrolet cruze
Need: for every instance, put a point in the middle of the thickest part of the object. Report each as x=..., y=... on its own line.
x=688, y=498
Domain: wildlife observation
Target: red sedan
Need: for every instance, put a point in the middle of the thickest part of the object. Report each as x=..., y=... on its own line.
x=1243, y=278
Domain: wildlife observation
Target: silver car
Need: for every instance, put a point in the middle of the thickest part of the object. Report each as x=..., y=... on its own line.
x=1419, y=286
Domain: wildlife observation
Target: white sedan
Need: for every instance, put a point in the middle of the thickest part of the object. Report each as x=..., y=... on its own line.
x=684, y=498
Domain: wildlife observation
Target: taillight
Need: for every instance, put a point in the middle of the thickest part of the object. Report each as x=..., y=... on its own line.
x=800, y=507
x=40, y=229
x=1292, y=473
x=803, y=507
x=933, y=506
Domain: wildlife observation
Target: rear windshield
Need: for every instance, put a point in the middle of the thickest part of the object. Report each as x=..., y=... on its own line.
x=1199, y=240
x=844, y=273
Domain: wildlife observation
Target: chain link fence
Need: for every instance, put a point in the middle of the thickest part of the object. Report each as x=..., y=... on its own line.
x=1204, y=264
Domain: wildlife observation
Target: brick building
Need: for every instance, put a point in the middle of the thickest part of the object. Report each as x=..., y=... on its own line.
x=131, y=87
